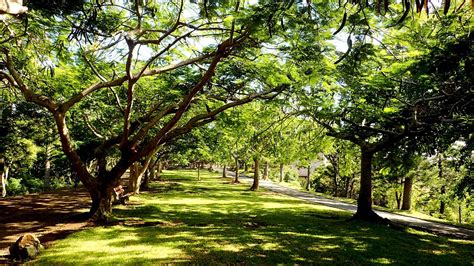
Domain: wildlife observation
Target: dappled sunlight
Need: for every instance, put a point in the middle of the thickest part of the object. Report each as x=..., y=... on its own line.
x=224, y=223
x=382, y=261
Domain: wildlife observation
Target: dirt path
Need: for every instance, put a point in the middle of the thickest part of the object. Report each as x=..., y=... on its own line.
x=437, y=228
x=50, y=216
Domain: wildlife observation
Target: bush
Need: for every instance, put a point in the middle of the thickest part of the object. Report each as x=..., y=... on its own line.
x=291, y=175
x=33, y=184
x=15, y=187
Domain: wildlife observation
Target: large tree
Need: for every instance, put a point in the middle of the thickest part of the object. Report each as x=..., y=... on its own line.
x=138, y=74
x=379, y=106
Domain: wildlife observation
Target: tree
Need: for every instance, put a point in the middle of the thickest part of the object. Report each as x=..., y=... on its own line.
x=171, y=61
x=379, y=110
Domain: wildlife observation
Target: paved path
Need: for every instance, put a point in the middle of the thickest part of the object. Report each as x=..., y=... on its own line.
x=434, y=227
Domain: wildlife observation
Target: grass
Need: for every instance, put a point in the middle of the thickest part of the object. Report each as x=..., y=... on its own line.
x=411, y=213
x=183, y=220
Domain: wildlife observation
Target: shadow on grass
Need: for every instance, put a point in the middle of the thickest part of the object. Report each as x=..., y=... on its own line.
x=209, y=222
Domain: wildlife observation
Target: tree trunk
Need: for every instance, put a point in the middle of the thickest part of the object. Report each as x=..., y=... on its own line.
x=246, y=167
x=224, y=171
x=136, y=174
x=199, y=171
x=146, y=179
x=152, y=174
x=159, y=171
x=336, y=174
x=442, y=205
x=133, y=178
x=459, y=213
x=346, y=186
x=265, y=171
x=398, y=198
x=101, y=208
x=334, y=193
x=256, y=175
x=364, y=202
x=407, y=191
x=47, y=167
x=308, y=176
x=3, y=177
x=237, y=170
x=281, y=172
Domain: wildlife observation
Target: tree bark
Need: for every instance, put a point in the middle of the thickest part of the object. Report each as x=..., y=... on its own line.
x=159, y=171
x=398, y=198
x=308, y=176
x=281, y=172
x=224, y=171
x=136, y=173
x=256, y=175
x=364, y=202
x=146, y=179
x=407, y=191
x=459, y=213
x=265, y=171
x=237, y=170
x=246, y=167
x=101, y=208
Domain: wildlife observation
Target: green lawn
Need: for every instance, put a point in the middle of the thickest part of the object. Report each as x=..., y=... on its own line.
x=411, y=213
x=212, y=221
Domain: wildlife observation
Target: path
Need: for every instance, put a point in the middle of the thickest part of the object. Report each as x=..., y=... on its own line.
x=49, y=216
x=434, y=227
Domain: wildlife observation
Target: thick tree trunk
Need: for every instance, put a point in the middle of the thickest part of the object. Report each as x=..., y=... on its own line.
x=407, y=191
x=364, y=202
x=265, y=171
x=224, y=171
x=256, y=175
x=398, y=198
x=47, y=167
x=281, y=172
x=308, y=179
x=101, y=208
x=237, y=170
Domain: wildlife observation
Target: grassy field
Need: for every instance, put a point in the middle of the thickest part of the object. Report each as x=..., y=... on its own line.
x=411, y=213
x=211, y=221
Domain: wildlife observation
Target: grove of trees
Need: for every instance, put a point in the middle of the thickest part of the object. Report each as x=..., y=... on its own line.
x=379, y=94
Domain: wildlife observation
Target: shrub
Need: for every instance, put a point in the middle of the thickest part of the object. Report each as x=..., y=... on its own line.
x=291, y=175
x=15, y=187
